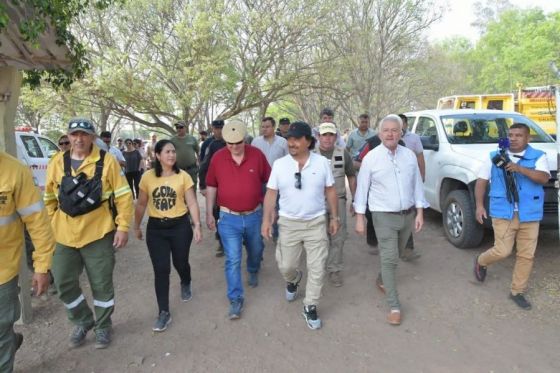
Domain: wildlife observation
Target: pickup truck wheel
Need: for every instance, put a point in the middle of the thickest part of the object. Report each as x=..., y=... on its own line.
x=459, y=220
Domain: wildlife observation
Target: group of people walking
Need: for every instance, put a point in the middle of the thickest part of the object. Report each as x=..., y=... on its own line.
x=289, y=185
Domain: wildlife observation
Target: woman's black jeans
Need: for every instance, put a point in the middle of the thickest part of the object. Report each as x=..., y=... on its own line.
x=166, y=239
x=133, y=179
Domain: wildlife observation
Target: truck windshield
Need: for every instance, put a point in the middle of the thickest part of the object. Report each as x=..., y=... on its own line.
x=487, y=128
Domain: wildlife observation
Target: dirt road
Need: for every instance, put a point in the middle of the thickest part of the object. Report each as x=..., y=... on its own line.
x=450, y=322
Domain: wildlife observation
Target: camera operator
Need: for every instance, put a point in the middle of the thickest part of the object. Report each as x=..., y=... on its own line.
x=516, y=206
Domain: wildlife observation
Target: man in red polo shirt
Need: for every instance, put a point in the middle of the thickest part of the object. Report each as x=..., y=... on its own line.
x=236, y=176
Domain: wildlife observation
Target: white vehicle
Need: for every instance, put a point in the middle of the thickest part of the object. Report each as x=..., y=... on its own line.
x=456, y=142
x=35, y=151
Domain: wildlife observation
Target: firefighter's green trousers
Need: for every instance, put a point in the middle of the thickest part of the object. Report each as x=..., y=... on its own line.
x=98, y=258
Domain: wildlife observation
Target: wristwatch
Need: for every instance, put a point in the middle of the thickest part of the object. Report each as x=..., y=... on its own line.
x=337, y=218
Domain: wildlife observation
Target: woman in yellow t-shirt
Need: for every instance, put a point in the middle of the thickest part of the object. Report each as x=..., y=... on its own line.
x=168, y=194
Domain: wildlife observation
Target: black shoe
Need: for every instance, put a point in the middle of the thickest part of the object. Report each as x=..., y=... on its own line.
x=102, y=338
x=292, y=287
x=520, y=300
x=220, y=252
x=310, y=316
x=78, y=336
x=235, y=308
x=479, y=271
x=186, y=292
x=18, y=340
x=163, y=320
x=253, y=279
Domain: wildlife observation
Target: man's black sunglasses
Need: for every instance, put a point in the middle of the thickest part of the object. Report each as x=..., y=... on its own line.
x=235, y=143
x=298, y=180
x=64, y=143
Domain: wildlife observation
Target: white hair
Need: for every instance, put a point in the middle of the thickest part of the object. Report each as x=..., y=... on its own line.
x=391, y=118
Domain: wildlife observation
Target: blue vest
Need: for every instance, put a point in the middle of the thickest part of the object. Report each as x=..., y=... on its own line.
x=531, y=194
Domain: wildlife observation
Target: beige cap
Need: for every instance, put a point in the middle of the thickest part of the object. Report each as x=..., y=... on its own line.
x=327, y=127
x=234, y=131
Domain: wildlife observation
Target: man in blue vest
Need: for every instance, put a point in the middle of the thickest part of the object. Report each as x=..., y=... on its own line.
x=516, y=198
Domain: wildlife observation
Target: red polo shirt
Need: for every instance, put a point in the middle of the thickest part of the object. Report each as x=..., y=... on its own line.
x=240, y=187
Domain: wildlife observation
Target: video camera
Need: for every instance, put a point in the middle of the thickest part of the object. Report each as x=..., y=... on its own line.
x=501, y=159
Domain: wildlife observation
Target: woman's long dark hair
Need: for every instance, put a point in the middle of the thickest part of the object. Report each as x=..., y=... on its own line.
x=157, y=164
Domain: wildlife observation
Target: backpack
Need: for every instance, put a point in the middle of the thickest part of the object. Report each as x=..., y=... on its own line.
x=79, y=195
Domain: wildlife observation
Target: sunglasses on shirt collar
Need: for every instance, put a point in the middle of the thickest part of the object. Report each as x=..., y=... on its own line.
x=297, y=175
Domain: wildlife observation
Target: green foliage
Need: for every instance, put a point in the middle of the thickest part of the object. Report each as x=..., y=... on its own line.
x=160, y=61
x=59, y=14
x=518, y=49
x=4, y=19
x=153, y=62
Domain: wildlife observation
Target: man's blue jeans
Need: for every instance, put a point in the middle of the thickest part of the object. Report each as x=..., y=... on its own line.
x=236, y=230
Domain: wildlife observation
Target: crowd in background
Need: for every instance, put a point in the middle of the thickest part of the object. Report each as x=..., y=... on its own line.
x=291, y=185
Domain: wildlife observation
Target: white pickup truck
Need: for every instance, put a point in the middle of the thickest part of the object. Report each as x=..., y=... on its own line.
x=455, y=144
x=35, y=151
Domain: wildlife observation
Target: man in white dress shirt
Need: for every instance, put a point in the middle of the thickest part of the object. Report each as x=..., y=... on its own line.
x=414, y=143
x=390, y=183
x=272, y=145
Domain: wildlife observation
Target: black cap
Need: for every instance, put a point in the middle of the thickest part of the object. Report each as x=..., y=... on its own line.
x=299, y=129
x=284, y=121
x=180, y=124
x=218, y=123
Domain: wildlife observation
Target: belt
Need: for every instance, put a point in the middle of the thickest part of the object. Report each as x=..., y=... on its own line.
x=168, y=220
x=403, y=212
x=225, y=209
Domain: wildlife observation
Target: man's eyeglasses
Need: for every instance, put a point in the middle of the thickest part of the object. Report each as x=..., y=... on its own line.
x=235, y=143
x=179, y=127
x=129, y=143
x=298, y=180
x=64, y=143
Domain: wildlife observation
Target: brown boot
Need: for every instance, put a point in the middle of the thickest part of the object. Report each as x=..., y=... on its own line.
x=394, y=317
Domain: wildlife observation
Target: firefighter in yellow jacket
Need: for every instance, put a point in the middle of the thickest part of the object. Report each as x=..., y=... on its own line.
x=20, y=205
x=79, y=184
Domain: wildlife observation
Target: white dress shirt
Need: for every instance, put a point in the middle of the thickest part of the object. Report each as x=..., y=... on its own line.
x=389, y=182
x=308, y=202
x=413, y=142
x=111, y=149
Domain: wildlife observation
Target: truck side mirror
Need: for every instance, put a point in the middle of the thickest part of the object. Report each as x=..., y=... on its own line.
x=430, y=142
